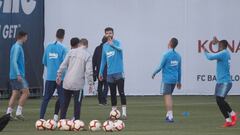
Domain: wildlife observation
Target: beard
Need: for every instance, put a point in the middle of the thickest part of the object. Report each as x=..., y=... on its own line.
x=109, y=37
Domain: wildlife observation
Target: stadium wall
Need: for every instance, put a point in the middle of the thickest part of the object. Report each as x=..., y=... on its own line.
x=144, y=28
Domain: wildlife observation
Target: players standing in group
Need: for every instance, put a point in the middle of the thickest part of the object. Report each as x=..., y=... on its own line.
x=112, y=55
x=78, y=64
x=53, y=57
x=171, y=76
x=17, y=77
x=102, y=84
x=224, y=82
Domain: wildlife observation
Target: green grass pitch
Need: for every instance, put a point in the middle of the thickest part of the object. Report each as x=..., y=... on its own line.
x=145, y=117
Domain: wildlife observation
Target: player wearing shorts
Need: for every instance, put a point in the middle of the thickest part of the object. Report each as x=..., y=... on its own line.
x=171, y=76
x=224, y=82
x=112, y=55
x=18, y=82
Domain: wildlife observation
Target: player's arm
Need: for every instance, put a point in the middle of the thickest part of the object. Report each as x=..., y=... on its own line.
x=179, y=84
x=62, y=68
x=162, y=63
x=103, y=63
x=116, y=45
x=64, y=53
x=16, y=53
x=94, y=65
x=214, y=56
x=89, y=73
x=44, y=59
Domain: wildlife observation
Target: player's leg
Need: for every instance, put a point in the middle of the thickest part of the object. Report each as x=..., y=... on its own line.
x=56, y=110
x=167, y=90
x=100, y=92
x=23, y=98
x=221, y=92
x=113, y=93
x=230, y=111
x=60, y=101
x=50, y=87
x=15, y=86
x=78, y=96
x=11, y=103
x=67, y=98
x=105, y=92
x=120, y=85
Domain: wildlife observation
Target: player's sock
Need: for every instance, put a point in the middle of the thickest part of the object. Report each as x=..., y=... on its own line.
x=9, y=110
x=232, y=113
x=228, y=123
x=55, y=117
x=19, y=110
x=170, y=115
x=228, y=120
x=233, y=117
x=124, y=110
x=114, y=108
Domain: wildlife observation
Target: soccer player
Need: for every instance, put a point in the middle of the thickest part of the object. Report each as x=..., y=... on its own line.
x=171, y=76
x=112, y=55
x=17, y=76
x=224, y=82
x=53, y=57
x=97, y=56
x=78, y=63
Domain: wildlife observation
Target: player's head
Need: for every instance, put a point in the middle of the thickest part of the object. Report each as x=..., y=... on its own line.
x=84, y=42
x=22, y=36
x=109, y=32
x=223, y=44
x=60, y=34
x=74, y=42
x=173, y=43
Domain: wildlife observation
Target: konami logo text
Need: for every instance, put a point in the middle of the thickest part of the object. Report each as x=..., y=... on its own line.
x=13, y=6
x=233, y=46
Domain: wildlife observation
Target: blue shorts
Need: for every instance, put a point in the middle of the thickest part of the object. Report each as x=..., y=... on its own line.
x=222, y=89
x=114, y=77
x=167, y=89
x=16, y=85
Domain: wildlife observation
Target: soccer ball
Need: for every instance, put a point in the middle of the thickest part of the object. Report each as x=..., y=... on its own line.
x=50, y=124
x=115, y=115
x=39, y=125
x=118, y=125
x=95, y=125
x=65, y=125
x=78, y=125
x=108, y=126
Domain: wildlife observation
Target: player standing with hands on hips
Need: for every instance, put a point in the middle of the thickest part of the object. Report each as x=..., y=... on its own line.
x=224, y=82
x=112, y=55
x=171, y=76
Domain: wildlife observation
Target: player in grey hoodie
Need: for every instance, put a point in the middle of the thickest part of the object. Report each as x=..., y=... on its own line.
x=78, y=64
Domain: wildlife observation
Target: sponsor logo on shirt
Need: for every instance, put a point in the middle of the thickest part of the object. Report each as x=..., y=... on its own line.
x=110, y=54
x=174, y=63
x=53, y=55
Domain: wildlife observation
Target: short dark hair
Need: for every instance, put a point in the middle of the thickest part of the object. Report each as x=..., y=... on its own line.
x=104, y=39
x=174, y=42
x=21, y=34
x=224, y=43
x=74, y=42
x=84, y=41
x=108, y=29
x=60, y=33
